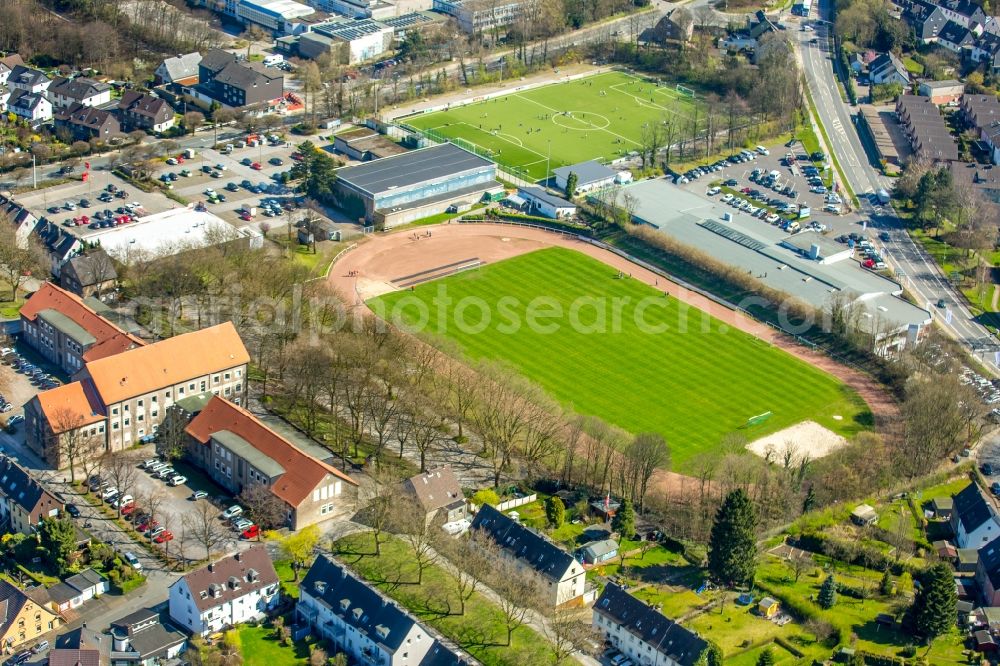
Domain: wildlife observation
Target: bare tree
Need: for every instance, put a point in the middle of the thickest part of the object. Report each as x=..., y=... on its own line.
x=409, y=522
x=20, y=259
x=120, y=469
x=517, y=593
x=647, y=453
x=377, y=500
x=568, y=632
x=263, y=506
x=74, y=443
x=202, y=525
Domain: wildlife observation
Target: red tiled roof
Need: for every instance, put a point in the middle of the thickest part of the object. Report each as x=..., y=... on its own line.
x=167, y=362
x=70, y=406
x=110, y=339
x=303, y=473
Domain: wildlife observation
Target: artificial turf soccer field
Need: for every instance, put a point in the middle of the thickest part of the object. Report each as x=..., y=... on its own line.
x=691, y=386
x=517, y=130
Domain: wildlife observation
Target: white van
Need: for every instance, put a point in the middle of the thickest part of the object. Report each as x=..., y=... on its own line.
x=272, y=60
x=762, y=150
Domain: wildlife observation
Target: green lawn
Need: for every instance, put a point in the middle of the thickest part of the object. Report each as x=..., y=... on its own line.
x=480, y=630
x=598, y=117
x=652, y=367
x=260, y=647
x=289, y=583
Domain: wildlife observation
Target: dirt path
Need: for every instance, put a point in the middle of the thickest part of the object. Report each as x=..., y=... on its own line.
x=370, y=269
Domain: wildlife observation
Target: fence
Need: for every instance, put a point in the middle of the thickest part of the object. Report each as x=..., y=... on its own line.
x=516, y=502
x=512, y=174
x=329, y=268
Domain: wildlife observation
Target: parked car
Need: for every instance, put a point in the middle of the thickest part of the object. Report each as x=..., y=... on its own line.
x=164, y=536
x=109, y=493
x=232, y=511
x=199, y=494
x=133, y=561
x=987, y=469
x=178, y=480
x=251, y=532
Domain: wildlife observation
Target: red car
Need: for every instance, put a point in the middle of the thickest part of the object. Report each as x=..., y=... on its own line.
x=256, y=166
x=128, y=508
x=163, y=537
x=246, y=217
x=251, y=532
x=148, y=525
x=297, y=157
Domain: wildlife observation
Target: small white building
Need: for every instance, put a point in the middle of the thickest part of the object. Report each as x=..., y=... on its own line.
x=27, y=79
x=590, y=175
x=542, y=203
x=33, y=107
x=64, y=92
x=236, y=589
x=973, y=519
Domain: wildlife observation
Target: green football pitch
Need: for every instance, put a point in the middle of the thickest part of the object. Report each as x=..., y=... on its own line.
x=597, y=117
x=693, y=382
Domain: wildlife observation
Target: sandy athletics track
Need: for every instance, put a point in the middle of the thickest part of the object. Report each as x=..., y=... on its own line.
x=370, y=269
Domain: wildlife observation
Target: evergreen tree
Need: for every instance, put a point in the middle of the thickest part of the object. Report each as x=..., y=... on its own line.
x=766, y=658
x=934, y=611
x=624, y=520
x=827, y=593
x=57, y=541
x=711, y=655
x=885, y=586
x=571, y=180
x=555, y=511
x=732, y=546
x=809, y=502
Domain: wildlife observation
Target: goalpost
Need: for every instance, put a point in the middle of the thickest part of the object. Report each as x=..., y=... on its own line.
x=684, y=91
x=757, y=420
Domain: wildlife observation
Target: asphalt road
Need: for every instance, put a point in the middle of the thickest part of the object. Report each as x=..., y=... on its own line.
x=912, y=265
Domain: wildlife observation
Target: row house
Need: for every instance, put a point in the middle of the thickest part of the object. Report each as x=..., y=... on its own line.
x=644, y=634
x=238, y=451
x=925, y=128
x=558, y=576
x=85, y=122
x=125, y=396
x=24, y=503
x=140, y=111
x=65, y=93
x=68, y=332
x=236, y=589
x=360, y=621
x=24, y=220
x=988, y=573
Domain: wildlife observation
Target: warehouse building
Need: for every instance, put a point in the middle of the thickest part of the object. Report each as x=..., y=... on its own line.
x=402, y=188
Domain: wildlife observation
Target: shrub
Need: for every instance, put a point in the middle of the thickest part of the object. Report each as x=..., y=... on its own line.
x=486, y=496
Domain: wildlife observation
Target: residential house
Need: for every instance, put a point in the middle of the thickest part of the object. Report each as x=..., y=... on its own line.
x=23, y=620
x=74, y=591
x=559, y=578
x=590, y=175
x=144, y=638
x=140, y=111
x=642, y=633
x=86, y=123
x=181, y=69
x=67, y=331
x=238, y=451
x=357, y=619
x=74, y=657
x=942, y=92
x=439, y=494
x=955, y=37
x=597, y=552
x=887, y=68
x=987, y=49
x=23, y=501
x=544, y=204
x=26, y=79
x=236, y=589
x=65, y=93
x=676, y=25
x=122, y=397
x=973, y=519
x=60, y=243
x=33, y=107
x=7, y=65
x=237, y=83
x=925, y=128
x=966, y=13
x=90, y=274
x=23, y=220
x=988, y=573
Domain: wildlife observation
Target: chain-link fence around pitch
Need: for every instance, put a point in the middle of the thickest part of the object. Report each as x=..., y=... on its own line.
x=516, y=175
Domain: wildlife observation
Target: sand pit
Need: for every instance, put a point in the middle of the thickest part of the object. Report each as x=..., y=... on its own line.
x=802, y=439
